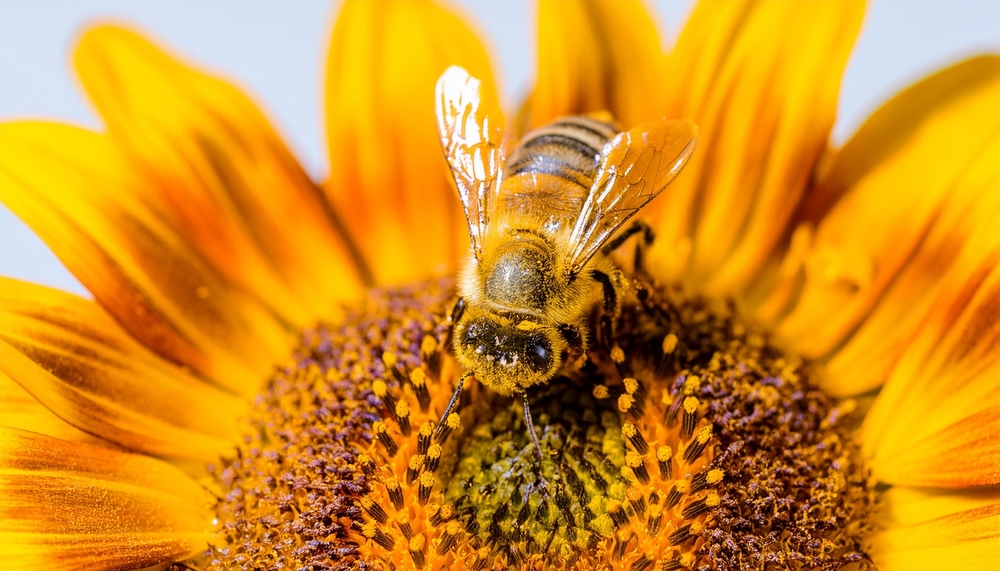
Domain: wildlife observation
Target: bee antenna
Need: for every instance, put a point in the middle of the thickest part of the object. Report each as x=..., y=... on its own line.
x=531, y=425
x=452, y=404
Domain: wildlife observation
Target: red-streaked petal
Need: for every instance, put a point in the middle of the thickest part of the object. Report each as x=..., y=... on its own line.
x=215, y=170
x=80, y=194
x=72, y=506
x=387, y=173
x=77, y=361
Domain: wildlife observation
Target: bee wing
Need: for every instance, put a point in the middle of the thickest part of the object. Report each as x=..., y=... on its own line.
x=635, y=166
x=471, y=131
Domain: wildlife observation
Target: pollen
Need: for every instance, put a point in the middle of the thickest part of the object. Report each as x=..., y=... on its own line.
x=684, y=442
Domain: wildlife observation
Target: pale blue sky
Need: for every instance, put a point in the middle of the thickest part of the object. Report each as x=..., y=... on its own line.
x=276, y=49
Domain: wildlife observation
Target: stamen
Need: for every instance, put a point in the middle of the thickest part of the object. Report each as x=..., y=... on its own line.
x=685, y=532
x=445, y=428
x=425, y=487
x=632, y=434
x=417, y=550
x=431, y=356
x=634, y=461
x=705, y=478
x=449, y=537
x=698, y=507
x=395, y=492
x=373, y=532
x=403, y=417
x=642, y=563
x=697, y=446
x=418, y=379
x=663, y=454
x=424, y=437
x=381, y=431
x=381, y=390
x=433, y=458
x=403, y=523
x=413, y=468
x=669, y=343
x=691, y=405
x=374, y=510
x=653, y=522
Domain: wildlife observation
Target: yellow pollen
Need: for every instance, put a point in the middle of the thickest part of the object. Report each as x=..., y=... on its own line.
x=663, y=453
x=669, y=344
x=379, y=388
x=417, y=376
x=390, y=359
x=691, y=405
x=428, y=345
x=682, y=486
x=633, y=460
x=712, y=499
x=426, y=429
x=368, y=529
x=447, y=511
x=379, y=427
x=617, y=354
x=402, y=517
x=600, y=392
x=631, y=385
x=435, y=452
x=415, y=462
x=714, y=476
x=628, y=430
x=687, y=560
x=426, y=479
x=402, y=409
x=417, y=543
x=625, y=403
x=527, y=325
x=454, y=421
x=704, y=434
x=696, y=527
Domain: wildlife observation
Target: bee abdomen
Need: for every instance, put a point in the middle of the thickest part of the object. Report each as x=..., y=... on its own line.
x=567, y=148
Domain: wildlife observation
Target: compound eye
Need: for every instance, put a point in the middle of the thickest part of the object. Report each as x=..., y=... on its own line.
x=539, y=357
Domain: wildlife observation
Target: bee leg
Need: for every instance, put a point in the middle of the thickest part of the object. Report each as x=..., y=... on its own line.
x=640, y=248
x=441, y=428
x=611, y=303
x=531, y=425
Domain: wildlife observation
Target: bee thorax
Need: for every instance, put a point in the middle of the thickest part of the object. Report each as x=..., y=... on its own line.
x=521, y=277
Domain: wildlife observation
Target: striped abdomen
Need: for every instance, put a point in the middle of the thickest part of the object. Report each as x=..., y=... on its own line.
x=549, y=175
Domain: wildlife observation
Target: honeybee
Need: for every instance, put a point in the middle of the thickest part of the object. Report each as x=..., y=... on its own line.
x=540, y=217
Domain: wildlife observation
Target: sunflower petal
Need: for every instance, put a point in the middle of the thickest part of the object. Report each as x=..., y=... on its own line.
x=597, y=55
x=77, y=361
x=936, y=421
x=879, y=253
x=760, y=79
x=216, y=170
x=929, y=531
x=386, y=166
x=72, y=506
x=18, y=409
x=77, y=191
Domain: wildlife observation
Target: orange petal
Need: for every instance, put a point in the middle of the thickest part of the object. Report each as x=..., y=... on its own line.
x=77, y=191
x=596, y=55
x=72, y=506
x=936, y=421
x=880, y=254
x=77, y=361
x=387, y=172
x=931, y=531
x=18, y=409
x=761, y=82
x=217, y=172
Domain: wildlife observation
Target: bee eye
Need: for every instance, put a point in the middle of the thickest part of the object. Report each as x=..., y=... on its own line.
x=539, y=357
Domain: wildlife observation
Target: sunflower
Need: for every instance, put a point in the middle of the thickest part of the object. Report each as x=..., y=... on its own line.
x=804, y=374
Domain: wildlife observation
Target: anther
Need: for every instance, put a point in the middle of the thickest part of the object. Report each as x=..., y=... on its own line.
x=697, y=446
x=669, y=343
x=601, y=392
x=690, y=405
x=403, y=417
x=403, y=523
x=641, y=564
x=449, y=537
x=634, y=461
x=433, y=458
x=632, y=434
x=617, y=513
x=424, y=437
x=430, y=355
x=691, y=385
x=663, y=455
x=425, y=487
x=444, y=513
x=418, y=379
x=381, y=431
x=417, y=550
x=413, y=468
x=445, y=428
x=617, y=354
x=698, y=507
x=654, y=519
x=627, y=403
x=482, y=558
x=367, y=464
x=675, y=494
x=637, y=500
x=706, y=478
x=374, y=510
x=672, y=562
x=371, y=531
x=395, y=492
x=381, y=390
x=621, y=544
x=685, y=532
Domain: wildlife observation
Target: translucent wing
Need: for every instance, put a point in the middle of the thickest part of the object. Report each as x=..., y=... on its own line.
x=471, y=130
x=635, y=167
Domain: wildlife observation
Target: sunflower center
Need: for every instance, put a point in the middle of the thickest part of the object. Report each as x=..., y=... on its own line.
x=681, y=440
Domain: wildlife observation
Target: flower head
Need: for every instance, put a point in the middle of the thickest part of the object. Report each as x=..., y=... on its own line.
x=802, y=373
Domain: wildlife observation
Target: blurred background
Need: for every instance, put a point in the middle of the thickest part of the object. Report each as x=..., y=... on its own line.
x=275, y=51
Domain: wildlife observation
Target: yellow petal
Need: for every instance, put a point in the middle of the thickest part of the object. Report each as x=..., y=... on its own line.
x=596, y=55
x=760, y=79
x=882, y=251
x=77, y=361
x=18, y=409
x=72, y=506
x=936, y=422
x=77, y=191
x=387, y=173
x=929, y=531
x=215, y=170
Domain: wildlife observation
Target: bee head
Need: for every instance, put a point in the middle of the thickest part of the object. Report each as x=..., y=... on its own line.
x=508, y=355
